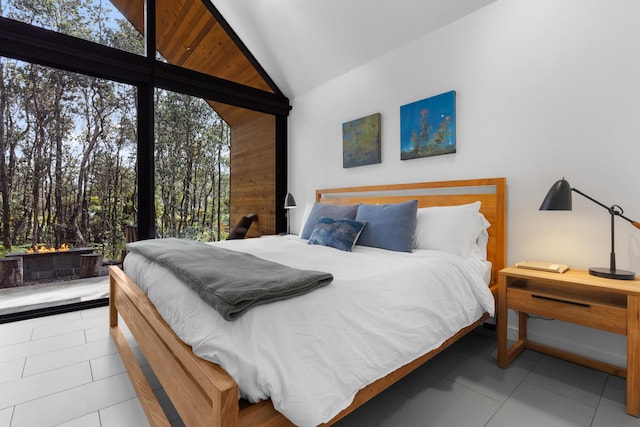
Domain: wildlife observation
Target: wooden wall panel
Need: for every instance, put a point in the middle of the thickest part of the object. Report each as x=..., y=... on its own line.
x=253, y=172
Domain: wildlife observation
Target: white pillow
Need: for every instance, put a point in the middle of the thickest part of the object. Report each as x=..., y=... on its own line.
x=479, y=246
x=460, y=230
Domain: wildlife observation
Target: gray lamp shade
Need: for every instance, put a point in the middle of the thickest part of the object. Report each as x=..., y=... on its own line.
x=558, y=198
x=289, y=201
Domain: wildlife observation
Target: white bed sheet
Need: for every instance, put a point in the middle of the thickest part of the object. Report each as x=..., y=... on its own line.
x=311, y=354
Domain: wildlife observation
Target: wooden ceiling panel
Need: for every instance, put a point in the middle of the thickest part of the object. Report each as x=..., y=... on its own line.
x=182, y=22
x=133, y=10
x=198, y=43
x=188, y=35
x=231, y=115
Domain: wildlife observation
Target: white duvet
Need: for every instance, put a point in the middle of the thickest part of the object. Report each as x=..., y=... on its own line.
x=311, y=354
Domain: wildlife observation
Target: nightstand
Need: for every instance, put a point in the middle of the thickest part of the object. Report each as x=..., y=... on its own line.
x=574, y=297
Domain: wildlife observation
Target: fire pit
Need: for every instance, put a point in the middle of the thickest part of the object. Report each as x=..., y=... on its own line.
x=46, y=264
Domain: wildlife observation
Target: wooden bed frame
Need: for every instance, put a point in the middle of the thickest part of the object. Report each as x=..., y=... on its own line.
x=202, y=392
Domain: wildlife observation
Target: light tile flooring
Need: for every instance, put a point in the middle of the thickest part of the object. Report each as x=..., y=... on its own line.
x=64, y=370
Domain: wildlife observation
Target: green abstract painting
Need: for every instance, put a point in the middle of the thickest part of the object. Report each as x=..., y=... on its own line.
x=361, y=141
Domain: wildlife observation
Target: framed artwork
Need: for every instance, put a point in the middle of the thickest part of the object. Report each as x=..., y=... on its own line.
x=428, y=127
x=361, y=141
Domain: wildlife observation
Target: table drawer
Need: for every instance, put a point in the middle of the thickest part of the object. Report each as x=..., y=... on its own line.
x=592, y=313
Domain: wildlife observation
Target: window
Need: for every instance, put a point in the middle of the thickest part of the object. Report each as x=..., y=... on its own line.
x=93, y=20
x=98, y=63
x=67, y=156
x=191, y=168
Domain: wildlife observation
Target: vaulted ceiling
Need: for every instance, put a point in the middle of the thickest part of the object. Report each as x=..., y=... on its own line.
x=300, y=44
x=304, y=43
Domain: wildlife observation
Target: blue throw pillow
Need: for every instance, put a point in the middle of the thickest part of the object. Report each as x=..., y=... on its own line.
x=320, y=210
x=338, y=233
x=389, y=226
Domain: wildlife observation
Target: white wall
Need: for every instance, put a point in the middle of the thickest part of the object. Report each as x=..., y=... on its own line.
x=545, y=89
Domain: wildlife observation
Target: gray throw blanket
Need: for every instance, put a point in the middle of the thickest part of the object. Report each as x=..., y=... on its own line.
x=231, y=282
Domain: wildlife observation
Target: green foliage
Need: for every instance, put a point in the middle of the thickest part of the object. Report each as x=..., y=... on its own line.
x=68, y=146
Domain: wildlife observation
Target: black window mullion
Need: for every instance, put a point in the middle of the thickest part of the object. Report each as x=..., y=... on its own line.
x=52, y=49
x=37, y=45
x=146, y=131
x=146, y=165
x=281, y=172
x=183, y=80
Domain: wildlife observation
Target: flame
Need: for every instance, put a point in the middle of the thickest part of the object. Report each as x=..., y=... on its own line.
x=43, y=249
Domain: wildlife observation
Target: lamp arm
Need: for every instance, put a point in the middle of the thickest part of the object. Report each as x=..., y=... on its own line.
x=611, y=209
x=636, y=224
x=591, y=198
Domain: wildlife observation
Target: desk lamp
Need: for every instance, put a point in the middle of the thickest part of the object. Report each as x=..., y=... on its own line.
x=559, y=199
x=289, y=203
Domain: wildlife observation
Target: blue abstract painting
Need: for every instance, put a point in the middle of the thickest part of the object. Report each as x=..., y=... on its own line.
x=428, y=127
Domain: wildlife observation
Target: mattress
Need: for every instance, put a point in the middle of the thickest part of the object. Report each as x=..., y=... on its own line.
x=311, y=354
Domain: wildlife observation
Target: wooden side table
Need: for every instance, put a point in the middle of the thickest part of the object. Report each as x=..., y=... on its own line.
x=575, y=297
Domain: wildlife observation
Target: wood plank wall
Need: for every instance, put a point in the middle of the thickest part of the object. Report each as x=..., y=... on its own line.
x=253, y=172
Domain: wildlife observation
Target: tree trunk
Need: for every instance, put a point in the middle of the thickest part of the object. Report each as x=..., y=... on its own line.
x=59, y=219
x=94, y=132
x=4, y=176
x=219, y=187
x=37, y=179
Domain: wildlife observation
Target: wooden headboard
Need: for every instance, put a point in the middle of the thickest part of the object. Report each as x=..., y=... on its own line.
x=491, y=192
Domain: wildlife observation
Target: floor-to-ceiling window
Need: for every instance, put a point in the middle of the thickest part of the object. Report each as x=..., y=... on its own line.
x=102, y=120
x=68, y=153
x=97, y=21
x=67, y=159
x=192, y=146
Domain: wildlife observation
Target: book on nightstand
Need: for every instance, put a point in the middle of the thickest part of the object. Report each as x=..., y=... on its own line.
x=543, y=266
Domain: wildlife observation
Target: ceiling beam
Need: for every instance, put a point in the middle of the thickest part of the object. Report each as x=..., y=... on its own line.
x=243, y=48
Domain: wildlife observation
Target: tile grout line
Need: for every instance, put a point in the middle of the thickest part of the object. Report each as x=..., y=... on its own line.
x=77, y=386
x=26, y=356
x=24, y=368
x=535, y=363
x=54, y=392
x=604, y=386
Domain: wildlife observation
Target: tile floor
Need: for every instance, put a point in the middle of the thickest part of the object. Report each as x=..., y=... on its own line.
x=64, y=370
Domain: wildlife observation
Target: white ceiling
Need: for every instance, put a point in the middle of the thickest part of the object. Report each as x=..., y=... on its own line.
x=304, y=43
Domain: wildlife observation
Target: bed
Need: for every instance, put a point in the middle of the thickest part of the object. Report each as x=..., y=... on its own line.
x=204, y=394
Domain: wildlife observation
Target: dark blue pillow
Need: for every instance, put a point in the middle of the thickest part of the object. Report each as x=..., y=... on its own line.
x=338, y=233
x=320, y=210
x=389, y=226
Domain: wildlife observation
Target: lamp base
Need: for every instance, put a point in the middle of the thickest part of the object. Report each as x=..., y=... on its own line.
x=612, y=274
